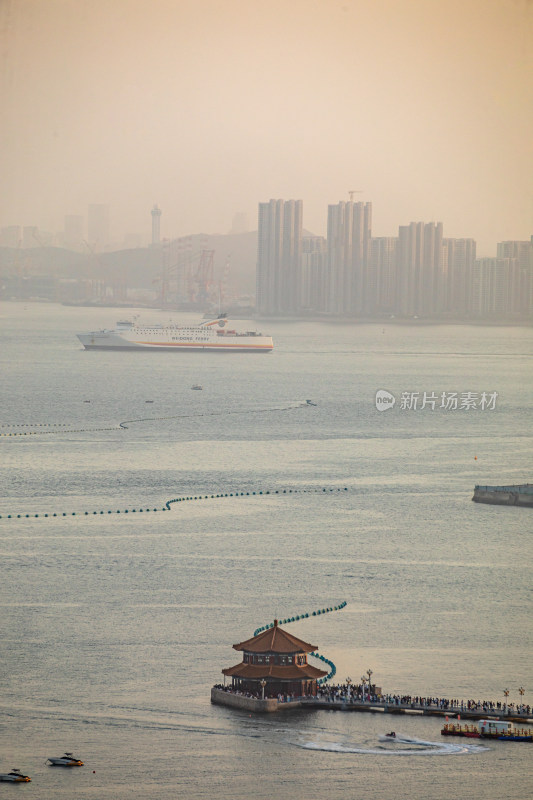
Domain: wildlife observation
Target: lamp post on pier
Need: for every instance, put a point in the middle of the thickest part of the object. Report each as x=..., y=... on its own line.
x=363, y=682
x=349, y=682
x=506, y=695
x=369, y=673
x=262, y=684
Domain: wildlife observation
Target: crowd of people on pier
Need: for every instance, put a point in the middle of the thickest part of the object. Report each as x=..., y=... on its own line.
x=347, y=693
x=281, y=698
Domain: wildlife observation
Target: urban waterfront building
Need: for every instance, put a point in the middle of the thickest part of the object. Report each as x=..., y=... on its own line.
x=419, y=269
x=522, y=252
x=494, y=286
x=279, y=248
x=382, y=275
x=314, y=259
x=458, y=259
x=347, y=280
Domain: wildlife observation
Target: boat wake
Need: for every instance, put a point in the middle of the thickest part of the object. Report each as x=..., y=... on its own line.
x=399, y=746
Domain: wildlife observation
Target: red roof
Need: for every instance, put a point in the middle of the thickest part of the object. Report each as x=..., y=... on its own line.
x=275, y=640
x=289, y=672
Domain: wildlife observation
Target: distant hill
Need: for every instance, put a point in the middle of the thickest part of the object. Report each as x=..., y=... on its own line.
x=139, y=267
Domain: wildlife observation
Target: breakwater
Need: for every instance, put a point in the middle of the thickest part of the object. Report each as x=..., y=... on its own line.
x=516, y=495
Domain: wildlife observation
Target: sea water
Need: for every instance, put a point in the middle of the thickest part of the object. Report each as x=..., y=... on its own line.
x=115, y=626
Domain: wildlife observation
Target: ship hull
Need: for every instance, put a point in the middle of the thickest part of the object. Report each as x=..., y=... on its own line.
x=115, y=343
x=110, y=340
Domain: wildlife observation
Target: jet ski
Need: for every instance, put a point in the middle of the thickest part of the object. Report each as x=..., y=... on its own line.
x=15, y=776
x=67, y=760
x=391, y=735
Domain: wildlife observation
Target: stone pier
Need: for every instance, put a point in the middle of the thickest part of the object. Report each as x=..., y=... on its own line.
x=257, y=706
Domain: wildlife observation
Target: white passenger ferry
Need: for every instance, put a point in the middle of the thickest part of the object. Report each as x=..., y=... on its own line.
x=211, y=335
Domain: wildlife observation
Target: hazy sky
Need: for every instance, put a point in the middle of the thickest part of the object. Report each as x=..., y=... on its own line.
x=208, y=107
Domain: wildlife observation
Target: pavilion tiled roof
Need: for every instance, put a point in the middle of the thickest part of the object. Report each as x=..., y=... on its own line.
x=282, y=672
x=275, y=640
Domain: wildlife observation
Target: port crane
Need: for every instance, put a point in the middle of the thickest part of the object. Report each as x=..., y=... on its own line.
x=200, y=283
x=192, y=276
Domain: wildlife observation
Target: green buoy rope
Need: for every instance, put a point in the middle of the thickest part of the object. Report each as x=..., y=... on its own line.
x=320, y=611
x=168, y=503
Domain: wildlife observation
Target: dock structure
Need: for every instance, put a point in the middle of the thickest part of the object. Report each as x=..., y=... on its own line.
x=275, y=675
x=516, y=495
x=228, y=697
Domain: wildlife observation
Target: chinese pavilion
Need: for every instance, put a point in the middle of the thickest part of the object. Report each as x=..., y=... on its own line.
x=275, y=661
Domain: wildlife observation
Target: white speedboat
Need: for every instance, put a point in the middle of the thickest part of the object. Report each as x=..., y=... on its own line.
x=15, y=776
x=67, y=760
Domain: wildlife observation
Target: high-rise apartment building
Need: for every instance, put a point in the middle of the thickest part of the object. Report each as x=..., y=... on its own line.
x=314, y=259
x=495, y=287
x=382, y=275
x=455, y=293
x=522, y=252
x=98, y=226
x=420, y=276
x=279, y=248
x=349, y=234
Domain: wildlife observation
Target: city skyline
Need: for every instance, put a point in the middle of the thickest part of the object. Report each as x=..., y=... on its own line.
x=95, y=227
x=418, y=274
x=423, y=109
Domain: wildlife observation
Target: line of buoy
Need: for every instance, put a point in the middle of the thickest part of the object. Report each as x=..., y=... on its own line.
x=65, y=430
x=297, y=617
x=249, y=494
x=168, y=503
x=124, y=425
x=320, y=611
x=33, y=425
x=333, y=668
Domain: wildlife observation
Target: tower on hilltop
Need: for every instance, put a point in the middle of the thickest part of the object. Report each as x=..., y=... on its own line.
x=156, y=226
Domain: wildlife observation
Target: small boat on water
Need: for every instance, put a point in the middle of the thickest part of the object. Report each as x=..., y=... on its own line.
x=489, y=729
x=66, y=760
x=15, y=776
x=197, y=387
